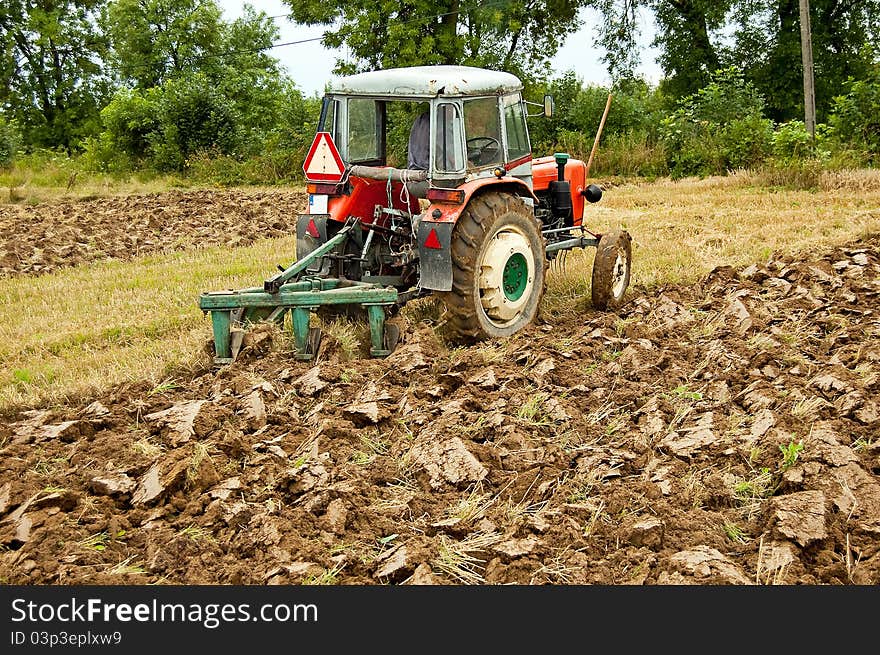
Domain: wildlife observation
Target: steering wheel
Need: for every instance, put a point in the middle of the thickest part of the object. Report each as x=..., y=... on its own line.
x=483, y=149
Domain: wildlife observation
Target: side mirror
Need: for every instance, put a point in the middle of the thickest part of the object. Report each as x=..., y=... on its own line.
x=548, y=106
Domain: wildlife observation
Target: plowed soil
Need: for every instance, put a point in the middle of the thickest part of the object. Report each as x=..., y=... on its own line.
x=720, y=433
x=42, y=238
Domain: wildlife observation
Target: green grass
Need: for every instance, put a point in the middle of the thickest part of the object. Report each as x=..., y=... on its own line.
x=735, y=533
x=790, y=454
x=759, y=487
x=47, y=176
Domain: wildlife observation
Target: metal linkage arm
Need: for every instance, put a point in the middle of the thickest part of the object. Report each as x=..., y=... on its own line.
x=274, y=283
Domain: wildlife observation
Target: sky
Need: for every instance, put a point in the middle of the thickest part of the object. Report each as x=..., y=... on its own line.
x=310, y=65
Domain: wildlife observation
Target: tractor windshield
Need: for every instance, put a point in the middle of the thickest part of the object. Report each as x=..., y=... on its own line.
x=397, y=133
x=483, y=131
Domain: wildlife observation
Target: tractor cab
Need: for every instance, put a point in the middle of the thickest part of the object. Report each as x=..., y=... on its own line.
x=456, y=123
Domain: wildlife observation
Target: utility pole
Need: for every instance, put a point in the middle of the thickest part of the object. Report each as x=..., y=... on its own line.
x=807, y=57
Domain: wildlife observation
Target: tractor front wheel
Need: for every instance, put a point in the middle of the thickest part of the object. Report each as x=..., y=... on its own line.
x=611, y=269
x=498, y=268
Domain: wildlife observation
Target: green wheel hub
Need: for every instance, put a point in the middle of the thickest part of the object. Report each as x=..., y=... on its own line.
x=507, y=275
x=515, y=277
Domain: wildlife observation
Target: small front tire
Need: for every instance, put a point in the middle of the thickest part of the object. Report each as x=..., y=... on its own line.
x=611, y=269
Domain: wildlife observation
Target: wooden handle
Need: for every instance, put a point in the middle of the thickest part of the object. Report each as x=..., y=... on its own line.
x=598, y=134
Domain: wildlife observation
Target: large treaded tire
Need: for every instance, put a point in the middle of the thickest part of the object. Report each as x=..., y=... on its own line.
x=487, y=216
x=612, y=268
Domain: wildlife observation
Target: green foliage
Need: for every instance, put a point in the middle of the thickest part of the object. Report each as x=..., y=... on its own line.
x=720, y=127
x=761, y=37
x=10, y=138
x=188, y=124
x=169, y=85
x=631, y=154
x=727, y=97
x=791, y=141
x=790, y=454
x=193, y=116
x=855, y=116
x=634, y=114
x=130, y=120
x=154, y=40
x=166, y=125
x=53, y=83
x=687, y=51
x=768, y=46
x=519, y=36
x=204, y=97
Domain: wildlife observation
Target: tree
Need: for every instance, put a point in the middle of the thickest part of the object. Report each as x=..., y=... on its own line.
x=153, y=41
x=768, y=45
x=191, y=82
x=760, y=37
x=519, y=36
x=688, y=54
x=54, y=83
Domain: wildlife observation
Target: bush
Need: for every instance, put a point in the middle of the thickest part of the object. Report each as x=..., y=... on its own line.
x=189, y=121
x=719, y=128
x=745, y=142
x=792, y=141
x=632, y=154
x=130, y=120
x=855, y=117
x=164, y=126
x=10, y=139
x=193, y=116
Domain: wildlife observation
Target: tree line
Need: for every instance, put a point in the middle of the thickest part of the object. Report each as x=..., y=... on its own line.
x=173, y=86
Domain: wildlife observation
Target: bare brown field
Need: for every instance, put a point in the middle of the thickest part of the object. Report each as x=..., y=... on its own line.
x=719, y=428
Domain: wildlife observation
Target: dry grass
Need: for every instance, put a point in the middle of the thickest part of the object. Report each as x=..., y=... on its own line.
x=80, y=330
x=50, y=178
x=84, y=328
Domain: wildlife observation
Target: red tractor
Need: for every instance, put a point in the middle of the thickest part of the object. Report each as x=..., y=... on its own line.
x=470, y=216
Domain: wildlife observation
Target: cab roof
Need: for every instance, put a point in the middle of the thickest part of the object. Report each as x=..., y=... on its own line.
x=427, y=81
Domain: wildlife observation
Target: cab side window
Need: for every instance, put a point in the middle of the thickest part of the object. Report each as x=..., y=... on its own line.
x=515, y=127
x=363, y=133
x=327, y=122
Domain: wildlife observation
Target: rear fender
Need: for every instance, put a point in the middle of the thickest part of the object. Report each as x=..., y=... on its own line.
x=306, y=243
x=447, y=212
x=438, y=221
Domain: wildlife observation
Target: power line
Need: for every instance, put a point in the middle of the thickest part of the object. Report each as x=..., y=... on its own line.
x=461, y=11
x=466, y=11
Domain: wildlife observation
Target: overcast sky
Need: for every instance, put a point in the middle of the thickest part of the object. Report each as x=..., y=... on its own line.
x=310, y=64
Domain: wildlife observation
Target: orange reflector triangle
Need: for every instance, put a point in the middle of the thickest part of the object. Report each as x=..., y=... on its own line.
x=432, y=241
x=312, y=229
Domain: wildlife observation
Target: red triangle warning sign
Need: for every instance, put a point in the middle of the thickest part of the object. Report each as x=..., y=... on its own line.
x=432, y=241
x=323, y=163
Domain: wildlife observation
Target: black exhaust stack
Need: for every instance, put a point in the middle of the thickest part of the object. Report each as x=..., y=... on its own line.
x=560, y=193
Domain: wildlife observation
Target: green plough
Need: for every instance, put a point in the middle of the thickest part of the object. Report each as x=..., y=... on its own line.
x=293, y=292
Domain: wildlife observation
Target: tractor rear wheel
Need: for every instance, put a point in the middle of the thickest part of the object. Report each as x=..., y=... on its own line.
x=611, y=269
x=498, y=268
